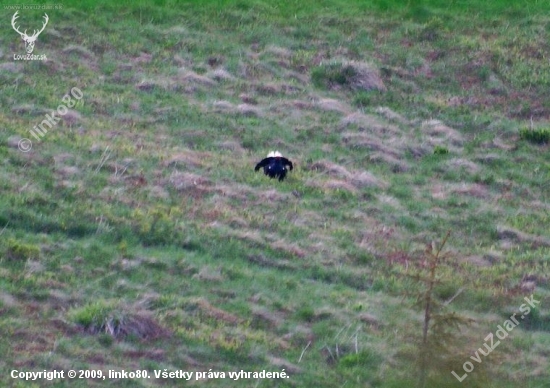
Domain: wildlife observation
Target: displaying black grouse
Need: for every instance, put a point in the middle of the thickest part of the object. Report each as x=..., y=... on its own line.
x=275, y=165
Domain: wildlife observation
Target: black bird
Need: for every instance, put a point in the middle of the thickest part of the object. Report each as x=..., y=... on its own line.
x=275, y=165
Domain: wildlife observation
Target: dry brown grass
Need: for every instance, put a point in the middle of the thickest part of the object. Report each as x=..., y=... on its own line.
x=329, y=104
x=476, y=190
x=514, y=235
x=232, y=103
x=127, y=320
x=231, y=145
x=391, y=115
x=462, y=163
x=147, y=85
x=262, y=316
x=216, y=313
x=472, y=189
x=189, y=77
x=395, y=163
x=81, y=51
x=366, y=77
x=342, y=178
x=284, y=364
x=248, y=110
x=209, y=274
x=187, y=158
x=371, y=143
x=437, y=133
x=370, y=124
x=220, y=74
x=186, y=181
x=334, y=185
x=291, y=249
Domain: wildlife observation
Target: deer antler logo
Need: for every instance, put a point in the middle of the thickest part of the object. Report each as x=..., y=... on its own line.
x=29, y=40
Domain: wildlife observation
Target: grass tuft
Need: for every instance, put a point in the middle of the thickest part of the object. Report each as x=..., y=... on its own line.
x=20, y=251
x=116, y=320
x=535, y=135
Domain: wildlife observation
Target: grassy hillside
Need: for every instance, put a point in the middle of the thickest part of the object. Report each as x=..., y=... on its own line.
x=135, y=234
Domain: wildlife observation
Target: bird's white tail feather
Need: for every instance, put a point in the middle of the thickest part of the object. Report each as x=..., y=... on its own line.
x=274, y=154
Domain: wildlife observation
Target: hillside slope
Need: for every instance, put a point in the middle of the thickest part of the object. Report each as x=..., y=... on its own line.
x=135, y=234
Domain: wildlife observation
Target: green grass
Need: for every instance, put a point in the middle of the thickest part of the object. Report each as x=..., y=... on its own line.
x=137, y=235
x=536, y=136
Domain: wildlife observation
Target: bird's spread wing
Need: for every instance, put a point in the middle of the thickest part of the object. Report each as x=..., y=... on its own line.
x=287, y=162
x=263, y=163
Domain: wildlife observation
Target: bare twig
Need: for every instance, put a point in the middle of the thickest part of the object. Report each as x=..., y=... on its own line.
x=330, y=352
x=104, y=158
x=454, y=296
x=4, y=228
x=303, y=351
